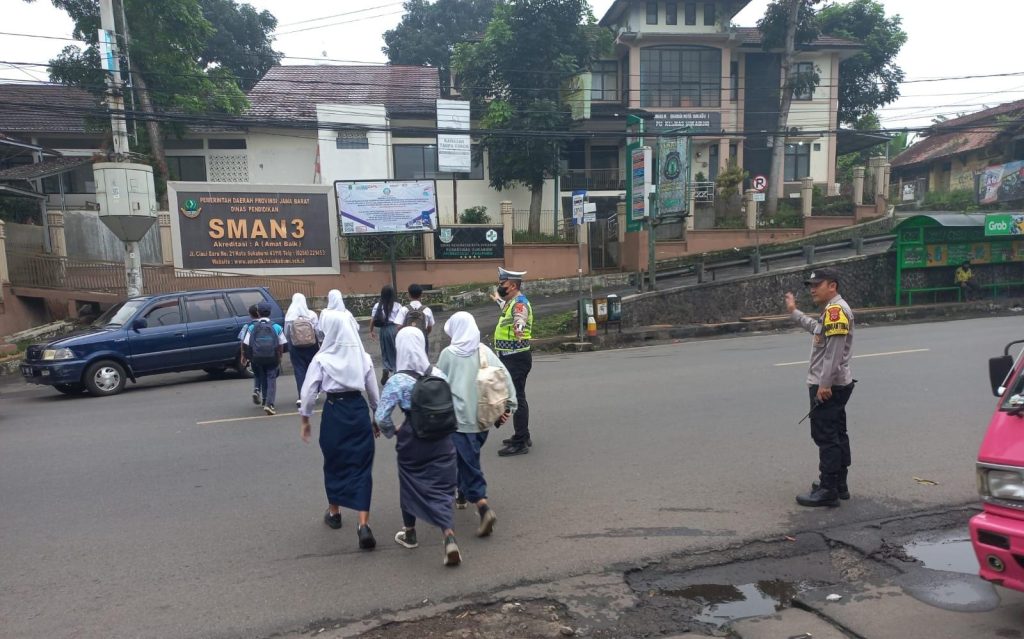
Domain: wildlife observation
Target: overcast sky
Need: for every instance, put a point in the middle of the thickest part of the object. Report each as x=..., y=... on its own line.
x=945, y=39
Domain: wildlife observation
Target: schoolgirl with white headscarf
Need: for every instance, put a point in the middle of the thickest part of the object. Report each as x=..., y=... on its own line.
x=460, y=362
x=426, y=467
x=300, y=356
x=344, y=371
x=335, y=302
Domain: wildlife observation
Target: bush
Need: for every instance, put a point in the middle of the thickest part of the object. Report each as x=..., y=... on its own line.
x=955, y=200
x=475, y=215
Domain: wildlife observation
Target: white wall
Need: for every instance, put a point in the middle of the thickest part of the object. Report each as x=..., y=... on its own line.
x=636, y=19
x=281, y=156
x=816, y=115
x=373, y=163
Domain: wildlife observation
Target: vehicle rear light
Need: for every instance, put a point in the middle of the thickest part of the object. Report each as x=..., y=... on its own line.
x=992, y=539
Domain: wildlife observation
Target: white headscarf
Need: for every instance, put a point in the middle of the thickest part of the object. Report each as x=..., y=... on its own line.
x=298, y=308
x=341, y=355
x=465, y=334
x=412, y=352
x=334, y=301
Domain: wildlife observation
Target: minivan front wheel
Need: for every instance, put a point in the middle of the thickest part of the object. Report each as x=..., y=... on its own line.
x=105, y=378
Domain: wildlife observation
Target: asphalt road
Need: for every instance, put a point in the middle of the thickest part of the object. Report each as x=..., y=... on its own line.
x=175, y=510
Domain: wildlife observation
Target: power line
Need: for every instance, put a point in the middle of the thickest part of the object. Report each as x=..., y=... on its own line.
x=336, y=24
x=338, y=15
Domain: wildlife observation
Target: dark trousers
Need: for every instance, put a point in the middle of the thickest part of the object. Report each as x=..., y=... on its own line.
x=519, y=366
x=266, y=379
x=828, y=430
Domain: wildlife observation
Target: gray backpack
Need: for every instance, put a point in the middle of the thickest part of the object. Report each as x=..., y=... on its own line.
x=303, y=334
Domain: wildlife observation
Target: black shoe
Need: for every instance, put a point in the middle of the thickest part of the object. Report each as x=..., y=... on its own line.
x=819, y=497
x=515, y=448
x=844, y=490
x=461, y=503
x=513, y=440
x=366, y=540
x=332, y=521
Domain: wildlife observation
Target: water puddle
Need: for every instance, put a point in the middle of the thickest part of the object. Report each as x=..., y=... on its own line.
x=950, y=553
x=722, y=603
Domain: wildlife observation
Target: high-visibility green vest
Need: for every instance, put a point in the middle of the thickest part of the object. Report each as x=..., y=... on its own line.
x=505, y=340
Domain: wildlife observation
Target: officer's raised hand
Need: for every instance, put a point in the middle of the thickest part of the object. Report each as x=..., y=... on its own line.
x=790, y=302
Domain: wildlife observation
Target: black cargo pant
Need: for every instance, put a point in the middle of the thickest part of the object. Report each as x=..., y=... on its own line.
x=828, y=430
x=519, y=366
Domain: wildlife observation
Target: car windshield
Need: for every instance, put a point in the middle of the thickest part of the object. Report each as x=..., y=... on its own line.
x=118, y=314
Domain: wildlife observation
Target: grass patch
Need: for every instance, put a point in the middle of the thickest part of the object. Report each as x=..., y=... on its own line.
x=555, y=325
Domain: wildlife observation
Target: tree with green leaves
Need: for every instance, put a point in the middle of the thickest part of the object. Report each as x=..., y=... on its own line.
x=787, y=25
x=189, y=56
x=871, y=78
x=515, y=77
x=429, y=31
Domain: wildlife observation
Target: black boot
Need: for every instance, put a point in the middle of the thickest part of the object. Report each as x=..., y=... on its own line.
x=823, y=494
x=843, y=490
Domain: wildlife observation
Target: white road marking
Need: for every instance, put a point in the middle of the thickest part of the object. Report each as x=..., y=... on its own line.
x=913, y=350
x=243, y=419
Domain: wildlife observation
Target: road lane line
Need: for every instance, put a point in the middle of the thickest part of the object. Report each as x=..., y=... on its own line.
x=243, y=419
x=907, y=352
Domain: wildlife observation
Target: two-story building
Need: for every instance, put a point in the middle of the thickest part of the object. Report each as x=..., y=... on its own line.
x=685, y=65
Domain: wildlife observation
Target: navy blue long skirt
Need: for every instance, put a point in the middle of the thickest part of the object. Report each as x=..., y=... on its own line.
x=301, y=357
x=427, y=473
x=388, y=351
x=346, y=440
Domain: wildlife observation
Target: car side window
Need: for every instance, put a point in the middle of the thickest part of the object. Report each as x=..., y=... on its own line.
x=206, y=308
x=165, y=313
x=242, y=300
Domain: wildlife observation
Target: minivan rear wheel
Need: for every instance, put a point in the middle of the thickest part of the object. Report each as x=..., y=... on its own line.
x=105, y=378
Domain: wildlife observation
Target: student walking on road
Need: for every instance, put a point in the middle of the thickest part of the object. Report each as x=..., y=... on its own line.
x=266, y=341
x=426, y=463
x=830, y=385
x=335, y=302
x=417, y=314
x=300, y=329
x=344, y=371
x=384, y=318
x=464, y=363
x=245, y=353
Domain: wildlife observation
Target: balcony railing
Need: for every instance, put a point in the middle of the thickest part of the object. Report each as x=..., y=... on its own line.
x=594, y=180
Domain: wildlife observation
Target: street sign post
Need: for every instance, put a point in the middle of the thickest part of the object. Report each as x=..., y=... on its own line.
x=759, y=183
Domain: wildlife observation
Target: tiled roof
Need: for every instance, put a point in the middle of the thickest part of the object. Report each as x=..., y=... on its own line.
x=751, y=36
x=42, y=169
x=966, y=133
x=293, y=91
x=53, y=108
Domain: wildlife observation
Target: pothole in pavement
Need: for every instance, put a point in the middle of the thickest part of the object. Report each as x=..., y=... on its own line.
x=951, y=551
x=946, y=573
x=723, y=603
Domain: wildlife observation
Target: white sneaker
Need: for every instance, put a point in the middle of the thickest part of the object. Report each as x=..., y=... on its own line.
x=298, y=403
x=452, y=556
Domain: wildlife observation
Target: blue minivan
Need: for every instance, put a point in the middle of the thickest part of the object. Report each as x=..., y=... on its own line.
x=147, y=335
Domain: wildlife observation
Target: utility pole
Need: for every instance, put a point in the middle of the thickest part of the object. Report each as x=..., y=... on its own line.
x=124, y=190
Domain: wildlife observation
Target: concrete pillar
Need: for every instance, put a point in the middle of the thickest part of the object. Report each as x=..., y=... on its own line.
x=4, y=273
x=809, y=253
x=506, y=220
x=163, y=220
x=806, y=195
x=858, y=185
x=343, y=248
x=55, y=228
x=621, y=219
x=858, y=245
x=751, y=208
x=887, y=175
x=723, y=154
x=879, y=175
x=428, y=247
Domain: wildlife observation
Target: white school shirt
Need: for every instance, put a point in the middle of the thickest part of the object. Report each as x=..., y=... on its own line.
x=396, y=308
x=318, y=381
x=428, y=315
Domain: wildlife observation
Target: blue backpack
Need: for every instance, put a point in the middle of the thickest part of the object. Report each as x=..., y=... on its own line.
x=263, y=342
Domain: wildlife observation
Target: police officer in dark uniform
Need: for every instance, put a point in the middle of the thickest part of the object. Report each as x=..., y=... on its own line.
x=829, y=383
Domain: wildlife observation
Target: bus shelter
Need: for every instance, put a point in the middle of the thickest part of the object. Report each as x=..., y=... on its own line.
x=930, y=246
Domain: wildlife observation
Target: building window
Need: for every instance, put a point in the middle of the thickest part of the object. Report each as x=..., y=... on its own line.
x=226, y=144
x=803, y=68
x=671, y=13
x=419, y=162
x=680, y=77
x=352, y=140
x=187, y=168
x=77, y=181
x=605, y=81
x=798, y=161
x=709, y=14
x=652, y=12
x=690, y=13
x=734, y=81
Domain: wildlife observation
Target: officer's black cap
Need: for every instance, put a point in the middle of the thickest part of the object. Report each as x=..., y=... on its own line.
x=822, y=275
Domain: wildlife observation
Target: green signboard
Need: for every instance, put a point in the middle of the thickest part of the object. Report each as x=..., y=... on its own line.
x=1000, y=224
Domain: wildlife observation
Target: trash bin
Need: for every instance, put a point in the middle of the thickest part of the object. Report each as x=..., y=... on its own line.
x=601, y=309
x=614, y=308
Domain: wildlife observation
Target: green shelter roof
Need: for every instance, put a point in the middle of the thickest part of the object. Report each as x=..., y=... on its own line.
x=944, y=218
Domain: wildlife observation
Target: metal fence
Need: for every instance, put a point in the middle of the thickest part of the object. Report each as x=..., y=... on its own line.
x=70, y=274
x=552, y=231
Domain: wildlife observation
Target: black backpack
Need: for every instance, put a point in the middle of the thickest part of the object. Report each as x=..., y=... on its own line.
x=432, y=414
x=263, y=342
x=416, y=317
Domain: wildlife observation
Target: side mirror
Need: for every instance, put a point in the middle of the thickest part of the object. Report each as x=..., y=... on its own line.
x=139, y=324
x=998, y=369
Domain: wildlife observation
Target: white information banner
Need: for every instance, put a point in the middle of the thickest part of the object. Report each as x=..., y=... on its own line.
x=386, y=206
x=454, y=150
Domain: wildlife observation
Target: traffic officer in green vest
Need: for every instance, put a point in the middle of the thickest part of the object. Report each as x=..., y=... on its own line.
x=512, y=344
